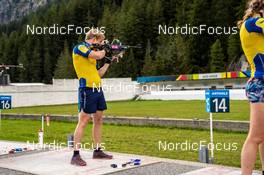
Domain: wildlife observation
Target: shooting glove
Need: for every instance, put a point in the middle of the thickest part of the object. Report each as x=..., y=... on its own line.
x=107, y=48
x=97, y=47
x=108, y=57
x=108, y=60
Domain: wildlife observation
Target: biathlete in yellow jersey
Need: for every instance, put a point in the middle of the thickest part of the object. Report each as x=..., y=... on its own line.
x=252, y=40
x=91, y=98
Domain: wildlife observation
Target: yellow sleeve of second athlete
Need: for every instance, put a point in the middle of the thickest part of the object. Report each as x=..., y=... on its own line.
x=260, y=23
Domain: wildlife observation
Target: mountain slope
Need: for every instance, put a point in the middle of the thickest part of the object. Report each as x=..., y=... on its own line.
x=11, y=10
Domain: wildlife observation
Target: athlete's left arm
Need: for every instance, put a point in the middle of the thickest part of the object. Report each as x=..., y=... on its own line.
x=105, y=67
x=260, y=23
x=103, y=70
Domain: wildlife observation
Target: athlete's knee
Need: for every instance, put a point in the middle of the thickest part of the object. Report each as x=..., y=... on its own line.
x=98, y=119
x=82, y=124
x=83, y=119
x=255, y=139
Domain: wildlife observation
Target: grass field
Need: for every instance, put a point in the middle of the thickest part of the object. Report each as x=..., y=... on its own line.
x=162, y=109
x=128, y=139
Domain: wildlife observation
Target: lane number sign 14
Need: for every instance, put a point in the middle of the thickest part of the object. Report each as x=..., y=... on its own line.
x=217, y=101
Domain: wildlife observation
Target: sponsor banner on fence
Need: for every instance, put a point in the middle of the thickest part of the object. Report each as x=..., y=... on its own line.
x=210, y=76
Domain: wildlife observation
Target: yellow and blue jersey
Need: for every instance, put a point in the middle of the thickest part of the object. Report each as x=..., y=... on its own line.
x=85, y=67
x=252, y=39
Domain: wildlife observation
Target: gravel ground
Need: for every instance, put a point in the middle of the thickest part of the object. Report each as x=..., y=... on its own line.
x=4, y=171
x=158, y=169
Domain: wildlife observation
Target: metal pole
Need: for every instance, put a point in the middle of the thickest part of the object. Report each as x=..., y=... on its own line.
x=211, y=136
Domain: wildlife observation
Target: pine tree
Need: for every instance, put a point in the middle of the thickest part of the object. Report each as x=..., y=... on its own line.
x=223, y=13
x=154, y=18
x=234, y=48
x=23, y=74
x=171, y=11
x=64, y=68
x=10, y=55
x=35, y=68
x=133, y=22
x=149, y=67
x=240, y=8
x=162, y=57
x=129, y=66
x=182, y=11
x=199, y=55
x=217, y=57
x=47, y=68
x=166, y=60
x=110, y=22
x=173, y=53
x=2, y=48
x=160, y=65
x=132, y=29
x=182, y=55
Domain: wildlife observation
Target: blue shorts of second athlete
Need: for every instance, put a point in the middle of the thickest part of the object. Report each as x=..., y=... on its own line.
x=91, y=100
x=255, y=90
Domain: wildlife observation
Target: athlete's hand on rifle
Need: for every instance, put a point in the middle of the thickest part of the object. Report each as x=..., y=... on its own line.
x=109, y=60
x=115, y=58
x=107, y=48
x=114, y=50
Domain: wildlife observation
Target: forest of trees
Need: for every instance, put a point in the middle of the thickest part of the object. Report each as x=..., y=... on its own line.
x=132, y=21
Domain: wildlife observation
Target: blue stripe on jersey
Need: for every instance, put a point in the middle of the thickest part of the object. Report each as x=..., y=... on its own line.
x=259, y=63
x=77, y=51
x=252, y=27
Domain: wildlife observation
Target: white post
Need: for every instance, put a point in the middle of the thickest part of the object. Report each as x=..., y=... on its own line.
x=211, y=136
x=41, y=132
x=42, y=123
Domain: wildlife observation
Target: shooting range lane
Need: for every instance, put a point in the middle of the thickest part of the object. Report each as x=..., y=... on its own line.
x=58, y=162
x=218, y=171
x=179, y=167
x=159, y=168
x=5, y=171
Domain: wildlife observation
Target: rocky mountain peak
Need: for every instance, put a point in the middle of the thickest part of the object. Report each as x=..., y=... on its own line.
x=11, y=10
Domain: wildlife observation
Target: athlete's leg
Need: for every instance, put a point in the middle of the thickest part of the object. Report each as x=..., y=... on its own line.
x=79, y=131
x=97, y=128
x=78, y=134
x=261, y=153
x=97, y=136
x=254, y=139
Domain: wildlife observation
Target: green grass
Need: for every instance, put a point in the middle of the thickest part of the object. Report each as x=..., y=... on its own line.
x=162, y=109
x=129, y=139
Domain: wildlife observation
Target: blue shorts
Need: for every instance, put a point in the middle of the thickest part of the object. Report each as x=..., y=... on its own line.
x=255, y=90
x=91, y=100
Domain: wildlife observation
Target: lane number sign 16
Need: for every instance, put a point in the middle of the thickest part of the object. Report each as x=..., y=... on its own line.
x=5, y=102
